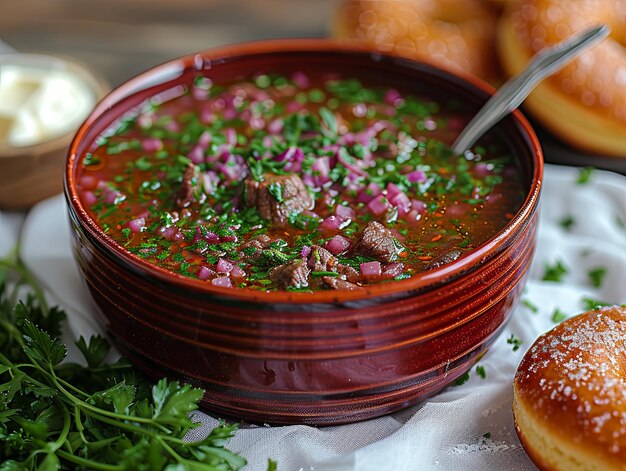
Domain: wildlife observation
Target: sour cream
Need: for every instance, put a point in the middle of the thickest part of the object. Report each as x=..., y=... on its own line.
x=39, y=103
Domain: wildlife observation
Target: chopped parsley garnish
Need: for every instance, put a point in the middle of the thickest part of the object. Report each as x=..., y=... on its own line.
x=558, y=316
x=513, y=340
x=462, y=379
x=480, y=371
x=596, y=276
x=590, y=304
x=533, y=308
x=567, y=222
x=584, y=175
x=276, y=190
x=555, y=272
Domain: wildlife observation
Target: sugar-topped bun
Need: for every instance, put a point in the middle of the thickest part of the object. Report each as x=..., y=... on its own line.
x=570, y=394
x=585, y=103
x=454, y=34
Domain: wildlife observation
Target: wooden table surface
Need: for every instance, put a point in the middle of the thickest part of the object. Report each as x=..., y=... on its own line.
x=120, y=38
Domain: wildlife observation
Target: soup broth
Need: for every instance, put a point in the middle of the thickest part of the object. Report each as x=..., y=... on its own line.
x=297, y=183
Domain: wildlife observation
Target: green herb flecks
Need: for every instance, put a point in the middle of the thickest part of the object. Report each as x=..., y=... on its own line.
x=584, y=175
x=596, y=276
x=555, y=272
x=558, y=316
x=513, y=340
x=567, y=222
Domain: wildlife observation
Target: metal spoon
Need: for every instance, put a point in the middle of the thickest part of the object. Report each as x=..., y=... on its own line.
x=543, y=64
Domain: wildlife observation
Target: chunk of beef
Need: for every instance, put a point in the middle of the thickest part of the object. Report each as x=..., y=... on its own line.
x=259, y=244
x=337, y=283
x=277, y=197
x=188, y=187
x=294, y=274
x=443, y=259
x=379, y=243
x=322, y=260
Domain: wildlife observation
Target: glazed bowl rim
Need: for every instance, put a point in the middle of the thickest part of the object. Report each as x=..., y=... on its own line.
x=417, y=282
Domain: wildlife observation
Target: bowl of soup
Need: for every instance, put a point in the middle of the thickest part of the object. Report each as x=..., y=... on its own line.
x=283, y=224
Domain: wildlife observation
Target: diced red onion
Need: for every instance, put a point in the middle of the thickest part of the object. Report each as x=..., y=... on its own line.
x=137, y=224
x=337, y=245
x=368, y=194
x=402, y=202
x=392, y=191
x=210, y=180
x=345, y=212
x=229, y=113
x=378, y=205
x=430, y=124
x=223, y=282
x=196, y=155
x=359, y=110
x=172, y=126
x=300, y=80
x=231, y=136
x=89, y=198
x=397, y=234
x=275, y=126
x=224, y=266
x=370, y=270
x=419, y=206
x=151, y=144
x=331, y=223
x=211, y=237
x=482, y=169
x=88, y=182
x=412, y=216
x=353, y=168
x=305, y=252
x=110, y=196
x=204, y=140
x=416, y=176
x=393, y=269
x=237, y=272
x=392, y=96
x=293, y=106
x=168, y=232
x=256, y=122
x=231, y=172
x=204, y=273
x=291, y=154
x=200, y=93
x=321, y=170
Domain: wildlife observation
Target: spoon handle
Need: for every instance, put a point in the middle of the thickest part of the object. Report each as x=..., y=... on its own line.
x=545, y=63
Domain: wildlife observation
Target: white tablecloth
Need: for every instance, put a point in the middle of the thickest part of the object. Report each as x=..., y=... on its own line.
x=467, y=427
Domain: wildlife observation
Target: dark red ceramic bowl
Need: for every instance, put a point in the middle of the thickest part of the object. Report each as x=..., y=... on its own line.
x=317, y=358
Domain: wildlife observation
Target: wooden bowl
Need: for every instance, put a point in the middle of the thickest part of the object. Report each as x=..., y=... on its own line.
x=31, y=173
x=318, y=358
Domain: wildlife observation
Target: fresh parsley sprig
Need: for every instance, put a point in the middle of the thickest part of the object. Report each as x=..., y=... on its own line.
x=103, y=416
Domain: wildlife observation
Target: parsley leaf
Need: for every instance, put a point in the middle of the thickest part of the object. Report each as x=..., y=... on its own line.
x=596, y=276
x=513, y=340
x=558, y=316
x=567, y=222
x=555, y=272
x=276, y=191
x=59, y=415
x=584, y=175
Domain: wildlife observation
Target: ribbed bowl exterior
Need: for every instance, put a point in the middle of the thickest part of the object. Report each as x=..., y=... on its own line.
x=327, y=361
